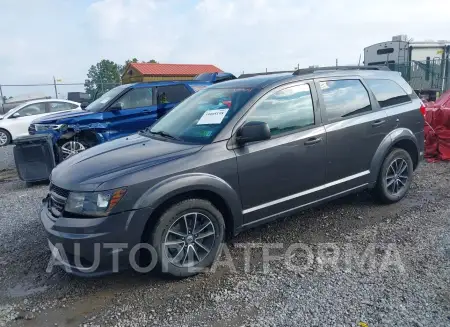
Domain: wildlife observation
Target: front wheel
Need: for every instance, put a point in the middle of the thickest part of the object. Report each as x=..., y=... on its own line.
x=395, y=176
x=72, y=147
x=187, y=237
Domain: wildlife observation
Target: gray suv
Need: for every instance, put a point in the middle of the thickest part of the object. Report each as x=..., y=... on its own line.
x=233, y=156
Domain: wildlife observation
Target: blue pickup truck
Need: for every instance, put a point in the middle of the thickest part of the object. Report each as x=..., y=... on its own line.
x=122, y=111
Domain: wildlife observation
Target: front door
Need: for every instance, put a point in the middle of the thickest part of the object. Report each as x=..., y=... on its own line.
x=355, y=127
x=137, y=112
x=281, y=173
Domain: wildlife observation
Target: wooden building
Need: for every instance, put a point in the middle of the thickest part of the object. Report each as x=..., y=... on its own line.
x=150, y=72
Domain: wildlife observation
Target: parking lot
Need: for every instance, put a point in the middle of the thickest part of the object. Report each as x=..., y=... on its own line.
x=411, y=292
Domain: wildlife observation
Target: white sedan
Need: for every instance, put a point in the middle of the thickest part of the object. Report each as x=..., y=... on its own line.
x=15, y=122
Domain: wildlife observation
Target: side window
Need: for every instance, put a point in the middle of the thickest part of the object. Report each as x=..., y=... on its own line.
x=172, y=93
x=136, y=98
x=387, y=92
x=31, y=110
x=286, y=110
x=59, y=106
x=344, y=98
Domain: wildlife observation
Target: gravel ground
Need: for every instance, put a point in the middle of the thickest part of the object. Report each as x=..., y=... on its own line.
x=407, y=283
x=6, y=158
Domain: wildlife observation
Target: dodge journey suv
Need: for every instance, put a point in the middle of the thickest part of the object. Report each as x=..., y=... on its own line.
x=232, y=156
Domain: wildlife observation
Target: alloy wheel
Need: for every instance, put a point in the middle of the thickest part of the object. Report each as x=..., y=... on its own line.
x=3, y=138
x=71, y=148
x=189, y=240
x=397, y=176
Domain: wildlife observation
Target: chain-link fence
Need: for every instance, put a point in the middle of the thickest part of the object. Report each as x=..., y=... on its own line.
x=429, y=75
x=14, y=94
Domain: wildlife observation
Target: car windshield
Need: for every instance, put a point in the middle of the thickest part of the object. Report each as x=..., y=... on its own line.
x=202, y=116
x=102, y=102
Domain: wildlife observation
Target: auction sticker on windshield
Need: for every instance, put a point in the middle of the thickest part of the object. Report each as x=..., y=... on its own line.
x=212, y=117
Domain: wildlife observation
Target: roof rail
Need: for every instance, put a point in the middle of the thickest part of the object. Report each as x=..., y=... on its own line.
x=265, y=73
x=318, y=69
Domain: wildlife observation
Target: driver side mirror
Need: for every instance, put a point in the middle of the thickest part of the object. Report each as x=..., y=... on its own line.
x=15, y=115
x=115, y=107
x=253, y=131
x=84, y=105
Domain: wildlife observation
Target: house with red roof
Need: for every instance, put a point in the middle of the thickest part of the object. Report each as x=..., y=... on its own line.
x=149, y=72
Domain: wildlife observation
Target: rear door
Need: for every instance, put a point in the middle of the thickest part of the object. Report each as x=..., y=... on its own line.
x=355, y=126
x=169, y=96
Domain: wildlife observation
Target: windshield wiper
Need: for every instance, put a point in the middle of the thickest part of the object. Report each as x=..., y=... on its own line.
x=165, y=134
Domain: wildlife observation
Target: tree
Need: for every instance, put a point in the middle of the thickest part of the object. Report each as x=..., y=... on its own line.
x=102, y=77
x=134, y=60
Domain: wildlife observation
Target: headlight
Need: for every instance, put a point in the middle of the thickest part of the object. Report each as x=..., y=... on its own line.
x=46, y=127
x=94, y=203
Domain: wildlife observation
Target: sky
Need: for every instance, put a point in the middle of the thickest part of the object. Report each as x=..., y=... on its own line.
x=40, y=39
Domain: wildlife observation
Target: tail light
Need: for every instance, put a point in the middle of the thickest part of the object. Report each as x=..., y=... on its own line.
x=423, y=109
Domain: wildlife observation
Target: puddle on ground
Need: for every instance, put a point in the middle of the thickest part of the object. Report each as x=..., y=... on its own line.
x=22, y=290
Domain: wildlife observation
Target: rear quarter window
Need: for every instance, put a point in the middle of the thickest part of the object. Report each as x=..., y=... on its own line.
x=387, y=92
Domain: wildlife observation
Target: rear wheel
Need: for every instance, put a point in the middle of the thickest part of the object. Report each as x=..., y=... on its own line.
x=5, y=137
x=187, y=237
x=395, y=176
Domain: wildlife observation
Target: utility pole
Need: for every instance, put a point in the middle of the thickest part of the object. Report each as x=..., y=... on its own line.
x=1, y=100
x=54, y=84
x=337, y=64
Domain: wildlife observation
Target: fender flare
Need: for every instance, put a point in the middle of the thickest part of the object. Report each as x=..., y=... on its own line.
x=386, y=146
x=180, y=184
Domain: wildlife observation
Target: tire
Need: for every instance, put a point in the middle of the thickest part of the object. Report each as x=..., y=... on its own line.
x=166, y=256
x=5, y=137
x=391, y=190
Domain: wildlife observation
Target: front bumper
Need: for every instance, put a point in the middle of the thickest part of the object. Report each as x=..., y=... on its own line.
x=92, y=247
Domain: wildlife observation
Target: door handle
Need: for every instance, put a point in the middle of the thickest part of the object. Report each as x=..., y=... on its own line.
x=313, y=140
x=378, y=123
x=147, y=111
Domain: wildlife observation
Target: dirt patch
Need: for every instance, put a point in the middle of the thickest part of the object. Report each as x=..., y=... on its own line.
x=7, y=175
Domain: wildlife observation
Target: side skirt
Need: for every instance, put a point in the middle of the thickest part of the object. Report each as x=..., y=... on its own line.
x=291, y=211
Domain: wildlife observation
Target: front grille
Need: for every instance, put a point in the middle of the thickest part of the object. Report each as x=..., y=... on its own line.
x=59, y=191
x=57, y=201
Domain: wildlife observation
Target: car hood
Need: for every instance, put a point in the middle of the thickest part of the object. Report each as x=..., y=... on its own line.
x=105, y=162
x=62, y=117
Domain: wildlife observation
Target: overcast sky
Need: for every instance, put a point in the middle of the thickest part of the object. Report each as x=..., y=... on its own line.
x=40, y=39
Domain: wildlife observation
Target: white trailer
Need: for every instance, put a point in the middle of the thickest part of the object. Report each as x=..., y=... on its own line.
x=425, y=65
